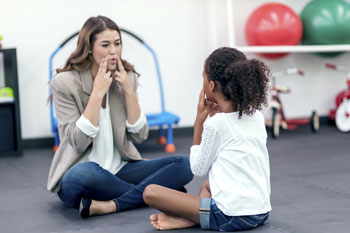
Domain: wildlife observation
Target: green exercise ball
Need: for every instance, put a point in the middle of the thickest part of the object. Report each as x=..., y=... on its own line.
x=326, y=22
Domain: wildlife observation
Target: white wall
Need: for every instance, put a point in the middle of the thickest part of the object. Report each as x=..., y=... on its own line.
x=182, y=32
x=175, y=29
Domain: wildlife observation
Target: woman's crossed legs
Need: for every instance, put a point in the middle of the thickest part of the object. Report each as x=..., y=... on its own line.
x=111, y=193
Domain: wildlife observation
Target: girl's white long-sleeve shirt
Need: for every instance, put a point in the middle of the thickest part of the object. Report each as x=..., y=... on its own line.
x=234, y=152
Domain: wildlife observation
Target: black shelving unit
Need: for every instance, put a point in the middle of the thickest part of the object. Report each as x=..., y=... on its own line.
x=10, y=124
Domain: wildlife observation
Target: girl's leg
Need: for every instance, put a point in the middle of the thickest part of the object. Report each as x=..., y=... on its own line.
x=165, y=200
x=172, y=172
x=180, y=210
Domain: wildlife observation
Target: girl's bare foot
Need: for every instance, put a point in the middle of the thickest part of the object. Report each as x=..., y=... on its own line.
x=167, y=222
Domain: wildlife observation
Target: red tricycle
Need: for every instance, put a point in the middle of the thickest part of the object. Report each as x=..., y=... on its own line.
x=278, y=118
x=341, y=114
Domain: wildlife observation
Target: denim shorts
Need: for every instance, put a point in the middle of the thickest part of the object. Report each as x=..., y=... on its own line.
x=211, y=217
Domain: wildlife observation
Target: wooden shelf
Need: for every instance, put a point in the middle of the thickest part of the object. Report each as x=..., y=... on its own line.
x=295, y=48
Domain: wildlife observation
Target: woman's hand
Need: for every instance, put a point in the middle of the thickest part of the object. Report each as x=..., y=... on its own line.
x=122, y=78
x=102, y=80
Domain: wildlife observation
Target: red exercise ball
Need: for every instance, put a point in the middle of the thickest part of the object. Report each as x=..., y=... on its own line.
x=273, y=24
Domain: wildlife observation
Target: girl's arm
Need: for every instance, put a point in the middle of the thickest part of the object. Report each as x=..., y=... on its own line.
x=206, y=141
x=202, y=156
x=202, y=114
x=205, y=107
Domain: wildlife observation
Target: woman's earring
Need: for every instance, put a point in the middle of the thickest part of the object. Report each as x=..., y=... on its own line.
x=90, y=51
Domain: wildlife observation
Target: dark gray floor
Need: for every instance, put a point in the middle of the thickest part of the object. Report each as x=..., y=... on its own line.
x=310, y=179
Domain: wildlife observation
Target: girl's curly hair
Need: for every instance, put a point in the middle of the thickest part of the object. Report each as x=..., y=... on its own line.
x=243, y=82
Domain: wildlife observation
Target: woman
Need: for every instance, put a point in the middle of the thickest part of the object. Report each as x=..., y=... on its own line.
x=97, y=167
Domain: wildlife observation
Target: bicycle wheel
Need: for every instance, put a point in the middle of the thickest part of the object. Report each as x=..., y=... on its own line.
x=276, y=123
x=342, y=116
x=314, y=122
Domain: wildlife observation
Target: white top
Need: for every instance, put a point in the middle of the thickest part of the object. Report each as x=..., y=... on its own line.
x=104, y=152
x=234, y=151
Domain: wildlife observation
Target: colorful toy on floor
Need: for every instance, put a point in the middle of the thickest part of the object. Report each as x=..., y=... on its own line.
x=326, y=22
x=278, y=118
x=273, y=24
x=341, y=114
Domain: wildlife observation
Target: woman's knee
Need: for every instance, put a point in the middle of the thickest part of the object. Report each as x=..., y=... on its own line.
x=84, y=176
x=184, y=166
x=183, y=162
x=70, y=194
x=84, y=167
x=81, y=169
x=81, y=172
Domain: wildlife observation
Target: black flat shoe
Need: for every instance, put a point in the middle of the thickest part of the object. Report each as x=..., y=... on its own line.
x=183, y=189
x=84, y=208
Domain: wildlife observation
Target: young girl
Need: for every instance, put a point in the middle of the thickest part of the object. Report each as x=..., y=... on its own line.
x=231, y=145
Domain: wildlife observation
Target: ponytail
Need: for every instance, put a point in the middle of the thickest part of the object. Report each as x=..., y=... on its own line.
x=243, y=82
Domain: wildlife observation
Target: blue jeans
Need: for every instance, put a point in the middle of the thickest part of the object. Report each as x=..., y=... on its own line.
x=89, y=180
x=211, y=217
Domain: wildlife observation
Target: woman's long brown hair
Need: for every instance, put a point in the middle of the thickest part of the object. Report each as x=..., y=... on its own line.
x=80, y=59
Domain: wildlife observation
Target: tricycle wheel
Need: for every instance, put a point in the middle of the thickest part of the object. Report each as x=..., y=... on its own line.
x=276, y=122
x=315, y=122
x=342, y=116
